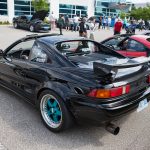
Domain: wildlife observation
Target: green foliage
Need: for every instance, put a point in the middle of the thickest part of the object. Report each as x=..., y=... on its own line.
x=40, y=5
x=141, y=13
x=122, y=15
x=4, y=23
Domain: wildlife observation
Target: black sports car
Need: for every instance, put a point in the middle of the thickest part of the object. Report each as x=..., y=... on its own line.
x=75, y=79
x=32, y=23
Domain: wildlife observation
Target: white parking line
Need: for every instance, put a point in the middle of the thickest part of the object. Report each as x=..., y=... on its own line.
x=2, y=147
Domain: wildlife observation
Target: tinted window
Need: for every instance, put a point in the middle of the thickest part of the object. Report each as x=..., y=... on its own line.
x=38, y=55
x=83, y=47
x=135, y=46
x=76, y=47
x=20, y=49
x=23, y=17
x=114, y=41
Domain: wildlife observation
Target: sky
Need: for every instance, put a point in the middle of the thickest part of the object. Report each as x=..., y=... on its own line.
x=140, y=1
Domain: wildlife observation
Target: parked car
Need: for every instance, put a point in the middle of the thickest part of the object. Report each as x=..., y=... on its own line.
x=33, y=23
x=74, y=80
x=130, y=45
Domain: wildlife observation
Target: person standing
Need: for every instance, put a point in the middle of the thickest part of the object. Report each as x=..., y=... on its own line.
x=109, y=22
x=67, y=22
x=52, y=21
x=61, y=23
x=118, y=27
x=124, y=23
x=104, y=21
x=141, y=25
x=75, y=22
x=100, y=22
x=82, y=28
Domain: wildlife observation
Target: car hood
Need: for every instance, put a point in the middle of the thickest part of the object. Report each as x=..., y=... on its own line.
x=39, y=15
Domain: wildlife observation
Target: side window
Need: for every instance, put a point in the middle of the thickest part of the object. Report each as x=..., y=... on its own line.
x=38, y=55
x=21, y=50
x=111, y=42
x=135, y=46
x=23, y=17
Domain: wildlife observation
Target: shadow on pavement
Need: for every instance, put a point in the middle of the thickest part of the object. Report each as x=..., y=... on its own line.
x=24, y=122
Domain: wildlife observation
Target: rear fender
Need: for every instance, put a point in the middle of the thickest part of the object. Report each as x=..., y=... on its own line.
x=62, y=89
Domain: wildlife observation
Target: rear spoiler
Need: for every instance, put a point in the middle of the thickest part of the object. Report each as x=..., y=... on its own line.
x=110, y=71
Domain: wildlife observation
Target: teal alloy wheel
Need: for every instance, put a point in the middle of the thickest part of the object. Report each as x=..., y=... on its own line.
x=54, y=113
x=51, y=111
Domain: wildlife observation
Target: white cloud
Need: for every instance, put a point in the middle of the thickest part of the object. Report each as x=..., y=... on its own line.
x=140, y=1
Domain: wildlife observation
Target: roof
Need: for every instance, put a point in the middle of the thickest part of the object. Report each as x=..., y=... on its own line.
x=58, y=38
x=142, y=39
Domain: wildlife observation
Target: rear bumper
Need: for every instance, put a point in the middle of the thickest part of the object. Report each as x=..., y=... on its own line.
x=85, y=111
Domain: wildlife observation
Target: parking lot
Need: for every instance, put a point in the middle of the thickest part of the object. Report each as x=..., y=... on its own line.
x=21, y=127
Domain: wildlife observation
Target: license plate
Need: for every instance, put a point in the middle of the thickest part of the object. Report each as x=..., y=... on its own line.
x=46, y=27
x=142, y=105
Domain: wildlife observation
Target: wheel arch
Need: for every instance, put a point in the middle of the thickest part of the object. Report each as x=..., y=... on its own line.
x=61, y=91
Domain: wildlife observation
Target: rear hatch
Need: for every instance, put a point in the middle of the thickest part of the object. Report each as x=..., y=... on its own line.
x=115, y=71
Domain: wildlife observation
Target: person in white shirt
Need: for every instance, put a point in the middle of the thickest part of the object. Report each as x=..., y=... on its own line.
x=52, y=21
x=75, y=22
x=109, y=22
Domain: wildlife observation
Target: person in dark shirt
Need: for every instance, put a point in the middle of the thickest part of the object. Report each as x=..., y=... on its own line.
x=82, y=28
x=61, y=23
x=67, y=22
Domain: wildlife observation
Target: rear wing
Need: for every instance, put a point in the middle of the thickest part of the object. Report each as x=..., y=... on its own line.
x=110, y=71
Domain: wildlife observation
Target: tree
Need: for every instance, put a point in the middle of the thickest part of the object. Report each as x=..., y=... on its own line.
x=40, y=5
x=122, y=15
x=141, y=13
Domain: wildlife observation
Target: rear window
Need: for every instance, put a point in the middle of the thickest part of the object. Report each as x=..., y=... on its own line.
x=83, y=47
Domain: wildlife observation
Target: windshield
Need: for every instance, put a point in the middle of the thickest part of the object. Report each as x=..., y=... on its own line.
x=84, y=47
x=29, y=17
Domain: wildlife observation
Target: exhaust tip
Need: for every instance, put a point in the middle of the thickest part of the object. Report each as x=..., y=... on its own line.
x=116, y=131
x=113, y=129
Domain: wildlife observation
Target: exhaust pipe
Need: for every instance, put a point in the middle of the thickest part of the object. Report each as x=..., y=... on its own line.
x=113, y=129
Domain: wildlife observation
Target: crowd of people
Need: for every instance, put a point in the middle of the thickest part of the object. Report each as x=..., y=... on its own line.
x=82, y=24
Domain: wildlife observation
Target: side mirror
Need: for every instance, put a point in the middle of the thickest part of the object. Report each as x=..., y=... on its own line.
x=1, y=52
x=65, y=46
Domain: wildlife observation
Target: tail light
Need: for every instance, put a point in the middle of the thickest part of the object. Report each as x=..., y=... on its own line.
x=110, y=93
x=148, y=79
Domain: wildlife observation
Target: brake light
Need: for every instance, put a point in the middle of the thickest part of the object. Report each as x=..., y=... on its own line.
x=148, y=79
x=109, y=93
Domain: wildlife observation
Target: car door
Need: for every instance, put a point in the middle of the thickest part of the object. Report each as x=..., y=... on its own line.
x=13, y=67
x=22, y=22
x=36, y=72
x=25, y=22
x=135, y=49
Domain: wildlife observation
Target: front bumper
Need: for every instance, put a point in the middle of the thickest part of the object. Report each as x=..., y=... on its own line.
x=88, y=110
x=42, y=28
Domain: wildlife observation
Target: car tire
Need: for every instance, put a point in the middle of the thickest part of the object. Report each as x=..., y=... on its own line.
x=54, y=112
x=31, y=28
x=15, y=25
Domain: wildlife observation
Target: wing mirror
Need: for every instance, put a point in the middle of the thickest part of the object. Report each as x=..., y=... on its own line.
x=65, y=46
x=1, y=52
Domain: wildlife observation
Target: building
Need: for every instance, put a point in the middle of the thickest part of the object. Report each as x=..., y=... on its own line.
x=111, y=7
x=11, y=8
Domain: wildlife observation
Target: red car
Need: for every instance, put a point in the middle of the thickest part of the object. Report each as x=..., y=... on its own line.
x=130, y=46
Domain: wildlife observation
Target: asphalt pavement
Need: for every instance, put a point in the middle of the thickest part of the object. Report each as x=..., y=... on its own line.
x=21, y=127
